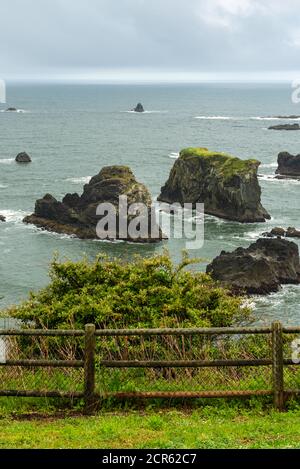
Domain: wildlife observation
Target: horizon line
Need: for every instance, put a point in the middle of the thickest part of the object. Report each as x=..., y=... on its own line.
x=150, y=76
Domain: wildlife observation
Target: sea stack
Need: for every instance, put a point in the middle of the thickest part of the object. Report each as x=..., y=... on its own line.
x=77, y=215
x=139, y=108
x=285, y=127
x=23, y=158
x=2, y=218
x=227, y=186
x=288, y=165
x=259, y=269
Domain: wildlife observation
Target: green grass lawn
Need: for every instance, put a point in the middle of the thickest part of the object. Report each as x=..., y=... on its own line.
x=206, y=427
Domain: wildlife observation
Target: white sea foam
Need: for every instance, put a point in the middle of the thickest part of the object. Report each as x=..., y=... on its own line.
x=153, y=112
x=6, y=160
x=268, y=165
x=249, y=235
x=145, y=112
x=273, y=178
x=258, y=118
x=42, y=231
x=80, y=180
x=215, y=117
x=3, y=186
x=243, y=118
x=18, y=111
x=277, y=299
x=13, y=216
x=174, y=155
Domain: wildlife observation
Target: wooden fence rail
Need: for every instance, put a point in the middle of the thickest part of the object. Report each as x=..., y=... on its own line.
x=90, y=396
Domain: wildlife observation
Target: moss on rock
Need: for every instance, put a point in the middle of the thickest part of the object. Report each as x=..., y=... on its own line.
x=227, y=185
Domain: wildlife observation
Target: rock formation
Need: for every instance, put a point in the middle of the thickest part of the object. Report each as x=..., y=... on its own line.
x=76, y=215
x=291, y=117
x=291, y=232
x=288, y=165
x=227, y=186
x=259, y=269
x=23, y=158
x=285, y=127
x=139, y=108
x=2, y=218
x=11, y=109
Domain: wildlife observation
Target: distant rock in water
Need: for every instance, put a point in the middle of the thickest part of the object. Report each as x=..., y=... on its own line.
x=2, y=218
x=288, y=165
x=226, y=185
x=259, y=269
x=285, y=127
x=11, y=109
x=23, y=158
x=291, y=232
x=139, y=108
x=76, y=215
x=288, y=117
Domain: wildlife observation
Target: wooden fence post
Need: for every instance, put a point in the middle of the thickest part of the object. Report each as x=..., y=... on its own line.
x=89, y=369
x=277, y=359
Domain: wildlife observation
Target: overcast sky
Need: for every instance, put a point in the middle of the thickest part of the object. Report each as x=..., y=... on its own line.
x=150, y=39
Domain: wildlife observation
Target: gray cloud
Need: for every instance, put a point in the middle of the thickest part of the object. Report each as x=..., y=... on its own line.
x=130, y=36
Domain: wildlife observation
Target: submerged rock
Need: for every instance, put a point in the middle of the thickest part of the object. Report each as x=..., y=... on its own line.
x=259, y=269
x=293, y=116
x=23, y=158
x=76, y=215
x=11, y=109
x=139, y=108
x=291, y=232
x=274, y=233
x=2, y=218
x=288, y=165
x=227, y=186
x=285, y=127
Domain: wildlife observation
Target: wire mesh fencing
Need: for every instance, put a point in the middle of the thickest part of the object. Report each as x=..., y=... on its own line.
x=96, y=364
x=41, y=364
x=291, y=359
x=184, y=363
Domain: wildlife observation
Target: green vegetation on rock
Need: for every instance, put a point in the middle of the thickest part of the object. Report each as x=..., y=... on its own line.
x=226, y=165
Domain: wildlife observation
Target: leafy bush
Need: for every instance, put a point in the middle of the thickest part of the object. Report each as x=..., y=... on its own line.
x=146, y=293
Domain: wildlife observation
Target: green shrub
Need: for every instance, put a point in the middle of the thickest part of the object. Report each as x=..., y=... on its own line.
x=146, y=293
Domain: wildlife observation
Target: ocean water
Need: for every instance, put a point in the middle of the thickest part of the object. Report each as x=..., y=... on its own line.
x=72, y=131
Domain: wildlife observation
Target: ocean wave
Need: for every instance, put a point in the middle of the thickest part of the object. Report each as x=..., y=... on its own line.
x=3, y=186
x=277, y=299
x=245, y=118
x=44, y=232
x=268, y=165
x=80, y=180
x=7, y=160
x=13, y=216
x=215, y=117
x=73, y=237
x=273, y=178
x=18, y=111
x=259, y=118
x=249, y=235
x=146, y=112
x=174, y=155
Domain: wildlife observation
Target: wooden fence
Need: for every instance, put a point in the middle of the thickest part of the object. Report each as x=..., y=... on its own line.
x=90, y=334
